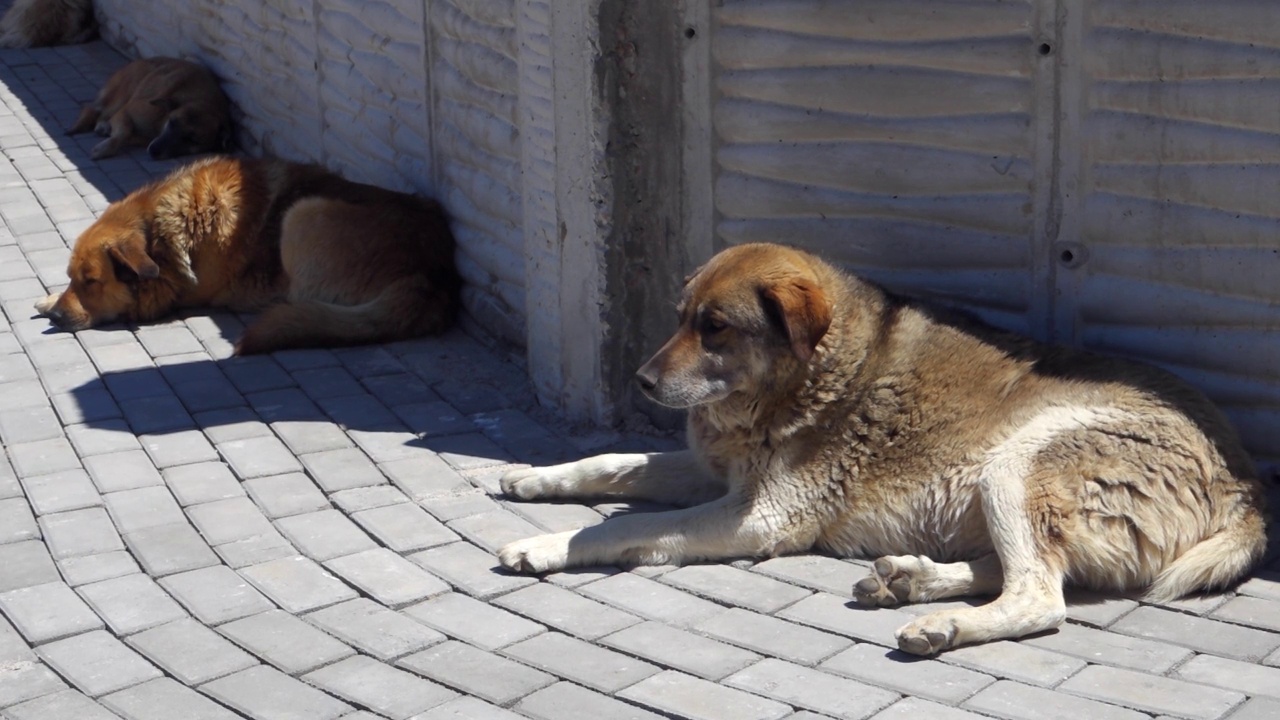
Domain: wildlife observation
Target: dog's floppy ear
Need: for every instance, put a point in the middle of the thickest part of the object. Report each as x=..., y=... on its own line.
x=132, y=253
x=804, y=312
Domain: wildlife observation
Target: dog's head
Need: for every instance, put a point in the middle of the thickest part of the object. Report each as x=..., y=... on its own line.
x=750, y=309
x=188, y=130
x=108, y=262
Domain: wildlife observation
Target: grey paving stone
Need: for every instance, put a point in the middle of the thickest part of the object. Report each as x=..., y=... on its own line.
x=343, y=469
x=732, y=586
x=382, y=633
x=178, y=448
x=811, y=689
x=47, y=612
x=1258, y=709
x=43, y=458
x=1015, y=661
x=468, y=708
x=201, y=483
x=102, y=437
x=258, y=457
x=556, y=517
x=131, y=603
x=297, y=584
x=425, y=477
x=97, y=663
x=60, y=492
x=387, y=577
x=286, y=642
x=134, y=510
x=284, y=495
x=404, y=527
x=28, y=393
x=689, y=697
x=191, y=652
x=566, y=701
x=17, y=523
x=817, y=572
x=651, y=599
x=216, y=594
x=257, y=374
x=1097, y=610
x=25, y=564
x=26, y=680
x=254, y=550
x=1150, y=693
x=85, y=406
x=168, y=549
x=930, y=679
x=1251, y=611
x=1199, y=605
x=1111, y=649
x=118, y=471
x=168, y=340
x=1264, y=584
x=367, y=498
x=773, y=636
x=307, y=436
x=432, y=417
x=1200, y=634
x=1015, y=701
x=467, y=451
x=369, y=361
x=285, y=404
x=477, y=672
x=13, y=649
x=390, y=444
x=87, y=569
x=69, y=704
x=914, y=708
x=231, y=424
x=567, y=611
x=28, y=424
x=471, y=570
x=307, y=359
x=264, y=692
x=472, y=621
x=155, y=414
x=224, y=521
x=386, y=690
x=681, y=650
x=1244, y=677
x=465, y=504
x=324, y=535
x=328, y=382
x=839, y=615
x=581, y=662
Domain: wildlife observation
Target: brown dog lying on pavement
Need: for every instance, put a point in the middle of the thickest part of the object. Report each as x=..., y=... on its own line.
x=41, y=23
x=172, y=106
x=333, y=262
x=824, y=413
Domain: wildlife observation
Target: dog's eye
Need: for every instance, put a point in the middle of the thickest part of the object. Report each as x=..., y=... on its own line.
x=711, y=325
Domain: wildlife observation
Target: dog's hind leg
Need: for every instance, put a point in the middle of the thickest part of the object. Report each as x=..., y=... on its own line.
x=910, y=579
x=87, y=120
x=673, y=477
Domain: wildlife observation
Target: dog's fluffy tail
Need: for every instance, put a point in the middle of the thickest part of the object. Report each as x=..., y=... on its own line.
x=1216, y=561
x=406, y=308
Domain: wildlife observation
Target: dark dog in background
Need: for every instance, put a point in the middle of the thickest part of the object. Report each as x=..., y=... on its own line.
x=40, y=23
x=174, y=107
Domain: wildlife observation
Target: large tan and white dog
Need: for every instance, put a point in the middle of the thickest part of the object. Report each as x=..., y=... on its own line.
x=40, y=23
x=826, y=414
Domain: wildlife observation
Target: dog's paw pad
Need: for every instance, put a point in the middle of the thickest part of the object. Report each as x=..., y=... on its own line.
x=888, y=584
x=545, y=553
x=929, y=635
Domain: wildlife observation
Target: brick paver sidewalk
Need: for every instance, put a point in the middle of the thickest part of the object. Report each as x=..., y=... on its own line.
x=310, y=536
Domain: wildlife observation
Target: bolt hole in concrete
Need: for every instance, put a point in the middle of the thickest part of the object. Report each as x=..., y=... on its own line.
x=1068, y=256
x=690, y=33
x=1045, y=48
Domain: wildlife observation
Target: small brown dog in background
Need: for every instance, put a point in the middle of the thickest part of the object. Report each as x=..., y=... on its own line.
x=41, y=23
x=328, y=261
x=174, y=107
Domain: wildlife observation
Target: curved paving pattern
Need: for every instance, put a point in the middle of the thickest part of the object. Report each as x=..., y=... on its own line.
x=310, y=536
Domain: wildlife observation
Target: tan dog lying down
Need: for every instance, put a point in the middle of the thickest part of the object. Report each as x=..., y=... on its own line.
x=825, y=414
x=41, y=23
x=333, y=262
x=172, y=106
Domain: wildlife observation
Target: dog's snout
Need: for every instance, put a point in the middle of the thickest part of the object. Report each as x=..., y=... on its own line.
x=647, y=376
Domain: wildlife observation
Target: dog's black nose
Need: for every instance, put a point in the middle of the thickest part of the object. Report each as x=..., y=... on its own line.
x=647, y=376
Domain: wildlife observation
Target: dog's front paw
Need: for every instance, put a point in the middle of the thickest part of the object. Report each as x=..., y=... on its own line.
x=929, y=635
x=895, y=580
x=545, y=553
x=104, y=149
x=529, y=483
x=44, y=306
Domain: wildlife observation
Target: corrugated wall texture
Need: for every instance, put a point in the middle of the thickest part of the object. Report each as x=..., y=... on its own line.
x=1180, y=197
x=414, y=95
x=894, y=136
x=474, y=68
